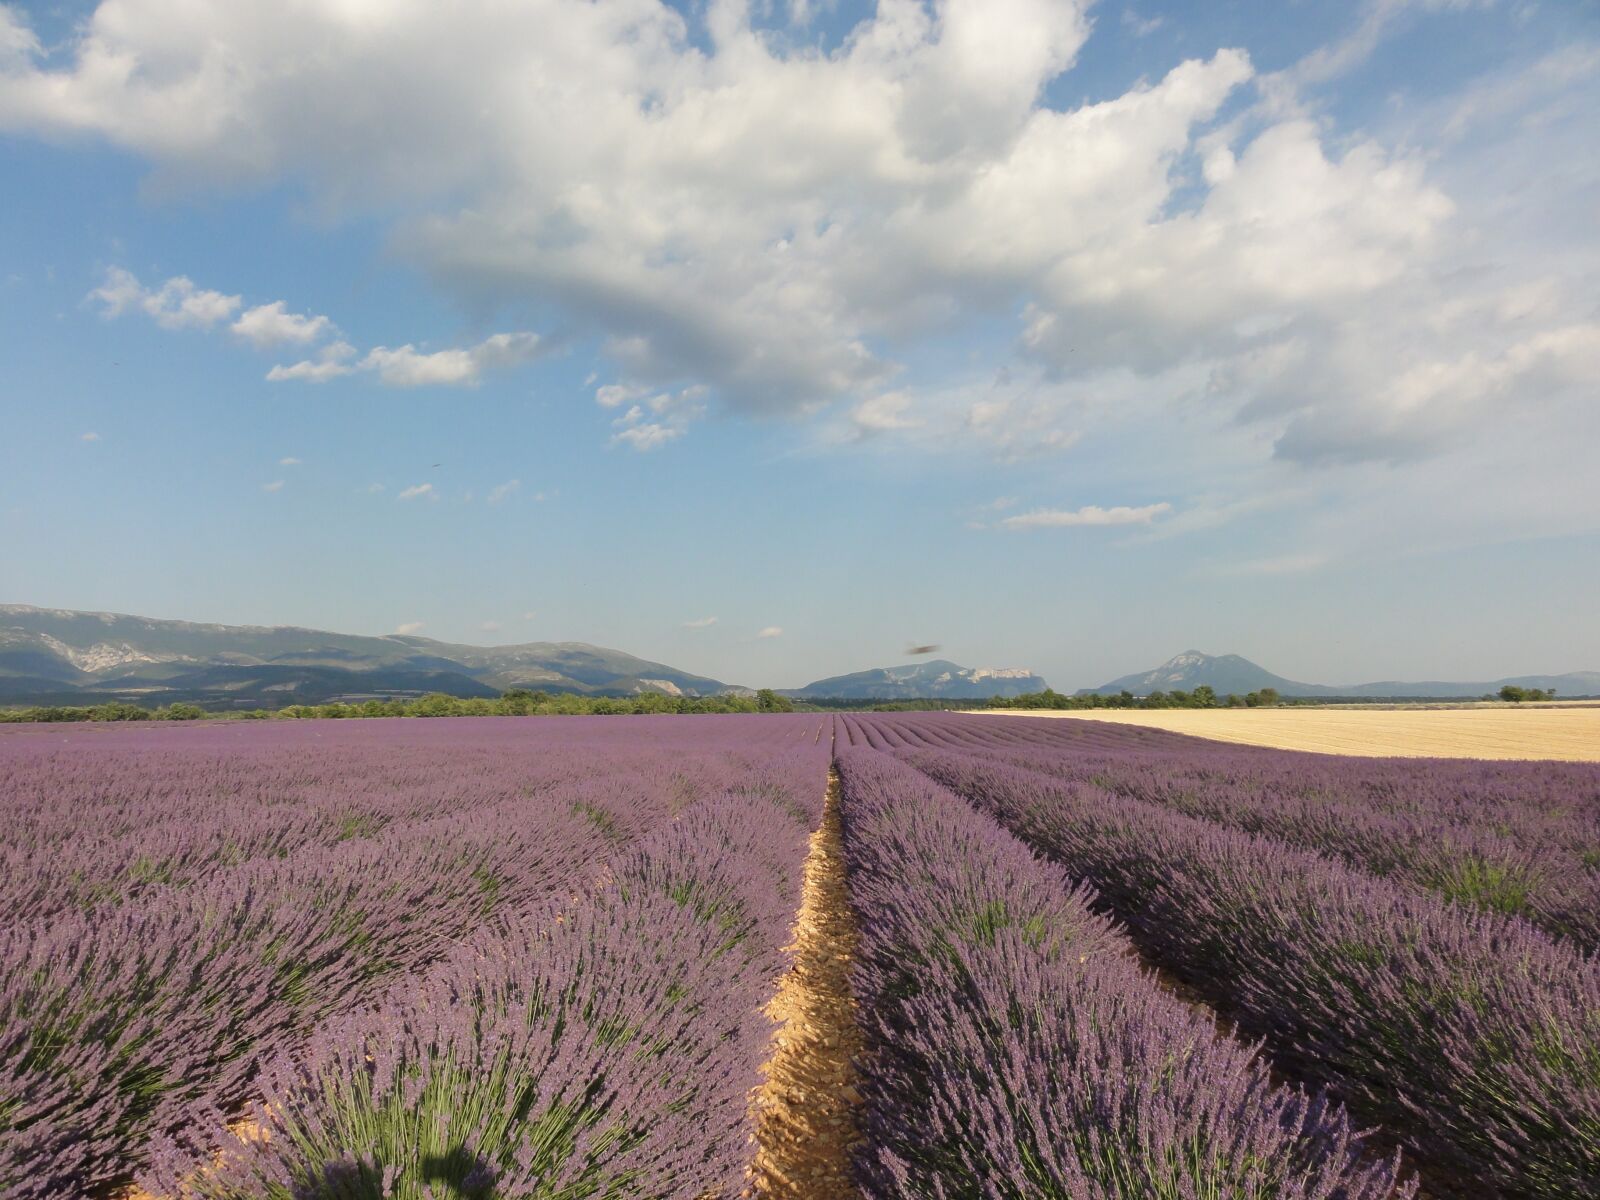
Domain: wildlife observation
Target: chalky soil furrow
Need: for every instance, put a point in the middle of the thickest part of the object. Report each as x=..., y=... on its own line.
x=807, y=1107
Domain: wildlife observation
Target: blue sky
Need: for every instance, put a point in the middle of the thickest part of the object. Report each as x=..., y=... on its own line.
x=1065, y=337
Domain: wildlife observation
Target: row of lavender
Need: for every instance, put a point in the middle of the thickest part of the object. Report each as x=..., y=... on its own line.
x=97, y=816
x=1013, y=1049
x=123, y=1015
x=611, y=1052
x=1517, y=838
x=1473, y=1037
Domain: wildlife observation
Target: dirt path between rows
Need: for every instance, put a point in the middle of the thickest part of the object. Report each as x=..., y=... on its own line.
x=806, y=1110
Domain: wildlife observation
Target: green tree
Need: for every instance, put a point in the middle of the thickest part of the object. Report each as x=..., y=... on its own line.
x=180, y=712
x=768, y=700
x=518, y=702
x=434, y=704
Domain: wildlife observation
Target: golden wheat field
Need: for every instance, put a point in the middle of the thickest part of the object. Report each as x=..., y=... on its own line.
x=1565, y=732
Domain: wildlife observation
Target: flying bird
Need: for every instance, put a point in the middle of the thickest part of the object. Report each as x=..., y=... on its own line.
x=921, y=649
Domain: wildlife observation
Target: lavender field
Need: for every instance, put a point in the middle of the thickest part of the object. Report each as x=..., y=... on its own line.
x=536, y=958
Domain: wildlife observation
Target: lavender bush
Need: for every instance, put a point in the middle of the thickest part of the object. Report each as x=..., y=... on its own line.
x=1014, y=1050
x=610, y=1053
x=1474, y=1037
x=1521, y=838
x=120, y=1014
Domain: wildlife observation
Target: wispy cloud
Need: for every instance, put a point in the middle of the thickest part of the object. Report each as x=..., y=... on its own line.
x=700, y=623
x=406, y=366
x=275, y=486
x=1140, y=26
x=529, y=615
x=884, y=413
x=1087, y=516
x=409, y=627
x=651, y=420
x=502, y=492
x=374, y=488
x=1282, y=564
x=489, y=626
x=332, y=362
x=771, y=631
x=418, y=491
x=289, y=461
x=180, y=304
x=91, y=436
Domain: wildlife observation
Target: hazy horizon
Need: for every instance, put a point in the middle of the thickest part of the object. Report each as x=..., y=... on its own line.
x=767, y=340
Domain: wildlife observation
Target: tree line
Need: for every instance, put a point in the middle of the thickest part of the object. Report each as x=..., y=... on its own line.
x=1204, y=696
x=518, y=702
x=522, y=702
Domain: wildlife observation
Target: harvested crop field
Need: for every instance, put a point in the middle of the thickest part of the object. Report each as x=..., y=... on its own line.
x=1533, y=732
x=875, y=956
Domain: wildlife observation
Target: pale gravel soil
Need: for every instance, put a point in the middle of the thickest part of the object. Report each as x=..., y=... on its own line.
x=1501, y=732
x=806, y=1109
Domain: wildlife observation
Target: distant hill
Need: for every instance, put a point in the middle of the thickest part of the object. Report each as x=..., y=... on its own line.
x=1226, y=673
x=59, y=656
x=935, y=680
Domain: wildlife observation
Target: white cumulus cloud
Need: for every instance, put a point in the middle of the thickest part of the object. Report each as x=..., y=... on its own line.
x=418, y=491
x=700, y=623
x=771, y=631
x=272, y=325
x=409, y=627
x=502, y=492
x=275, y=486
x=780, y=222
x=176, y=304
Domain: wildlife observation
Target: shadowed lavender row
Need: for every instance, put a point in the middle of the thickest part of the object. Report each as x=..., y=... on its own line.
x=114, y=1022
x=1473, y=1037
x=1015, y=1051
x=610, y=1053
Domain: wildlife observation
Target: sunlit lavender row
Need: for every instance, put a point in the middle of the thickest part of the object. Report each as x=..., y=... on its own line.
x=1471, y=1036
x=354, y=859
x=1516, y=838
x=1015, y=1050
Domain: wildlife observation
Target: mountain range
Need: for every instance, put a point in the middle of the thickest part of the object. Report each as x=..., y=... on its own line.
x=61, y=656
x=58, y=656
x=936, y=679
x=1225, y=673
